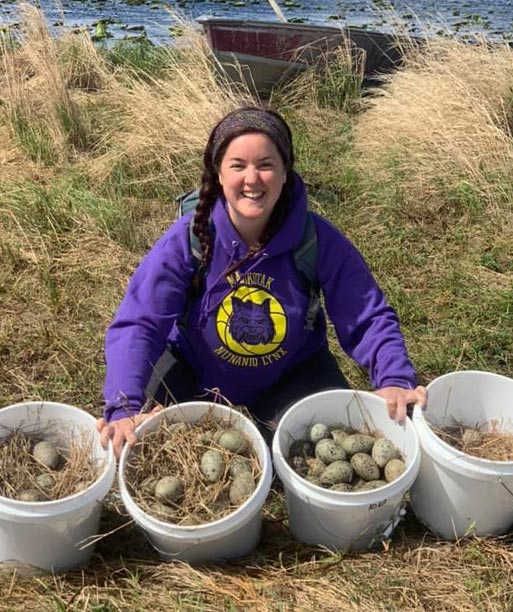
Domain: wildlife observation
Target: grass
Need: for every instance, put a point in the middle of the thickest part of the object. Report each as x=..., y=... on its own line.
x=95, y=145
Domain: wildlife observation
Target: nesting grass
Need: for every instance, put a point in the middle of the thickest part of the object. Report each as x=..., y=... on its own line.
x=484, y=442
x=22, y=472
x=175, y=449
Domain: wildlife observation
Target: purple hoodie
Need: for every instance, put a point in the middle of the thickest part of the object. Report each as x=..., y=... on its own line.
x=243, y=335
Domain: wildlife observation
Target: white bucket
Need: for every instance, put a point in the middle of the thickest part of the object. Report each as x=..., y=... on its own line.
x=50, y=534
x=456, y=494
x=334, y=519
x=229, y=537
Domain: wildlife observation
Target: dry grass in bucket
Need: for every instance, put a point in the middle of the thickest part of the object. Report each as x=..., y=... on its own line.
x=176, y=452
x=35, y=470
x=494, y=445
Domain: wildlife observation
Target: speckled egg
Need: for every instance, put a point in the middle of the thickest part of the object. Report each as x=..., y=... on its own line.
x=328, y=451
x=365, y=466
x=393, y=469
x=383, y=451
x=339, y=435
x=358, y=443
x=45, y=453
x=234, y=441
x=343, y=487
x=179, y=428
x=45, y=481
x=318, y=431
x=241, y=488
x=338, y=471
x=372, y=484
x=212, y=465
x=169, y=489
x=240, y=465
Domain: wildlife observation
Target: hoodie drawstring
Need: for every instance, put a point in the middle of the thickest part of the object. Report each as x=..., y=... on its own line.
x=206, y=307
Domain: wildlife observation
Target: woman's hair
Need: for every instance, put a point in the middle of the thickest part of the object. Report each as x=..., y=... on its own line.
x=249, y=119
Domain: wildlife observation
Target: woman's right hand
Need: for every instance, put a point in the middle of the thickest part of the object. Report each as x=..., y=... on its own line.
x=122, y=430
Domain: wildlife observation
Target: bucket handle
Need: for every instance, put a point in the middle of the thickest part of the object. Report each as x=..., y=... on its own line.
x=167, y=555
x=501, y=482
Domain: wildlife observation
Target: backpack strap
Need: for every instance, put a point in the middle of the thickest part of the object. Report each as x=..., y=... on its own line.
x=305, y=259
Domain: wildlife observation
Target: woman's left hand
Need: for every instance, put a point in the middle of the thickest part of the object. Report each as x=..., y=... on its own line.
x=397, y=399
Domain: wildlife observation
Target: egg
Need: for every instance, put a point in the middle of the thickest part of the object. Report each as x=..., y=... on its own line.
x=169, y=489
x=317, y=432
x=339, y=435
x=212, y=465
x=383, y=451
x=358, y=443
x=241, y=488
x=471, y=437
x=393, y=469
x=240, y=465
x=365, y=467
x=45, y=453
x=234, y=441
x=45, y=481
x=328, y=451
x=338, y=471
x=343, y=487
x=30, y=495
x=163, y=512
x=372, y=484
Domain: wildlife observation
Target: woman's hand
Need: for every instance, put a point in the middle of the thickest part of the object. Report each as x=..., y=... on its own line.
x=122, y=430
x=397, y=399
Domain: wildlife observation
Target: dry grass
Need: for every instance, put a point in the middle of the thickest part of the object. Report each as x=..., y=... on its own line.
x=414, y=574
x=443, y=121
x=163, y=123
x=482, y=441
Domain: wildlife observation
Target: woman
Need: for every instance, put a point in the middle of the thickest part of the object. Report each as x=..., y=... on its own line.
x=237, y=324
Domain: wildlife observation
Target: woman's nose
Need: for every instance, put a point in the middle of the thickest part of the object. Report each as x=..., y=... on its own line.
x=251, y=175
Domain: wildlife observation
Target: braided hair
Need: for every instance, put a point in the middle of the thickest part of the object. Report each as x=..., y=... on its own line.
x=248, y=119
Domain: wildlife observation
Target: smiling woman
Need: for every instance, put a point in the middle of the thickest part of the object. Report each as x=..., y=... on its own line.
x=242, y=322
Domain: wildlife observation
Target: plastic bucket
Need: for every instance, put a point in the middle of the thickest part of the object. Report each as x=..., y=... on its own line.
x=456, y=494
x=229, y=537
x=334, y=519
x=51, y=535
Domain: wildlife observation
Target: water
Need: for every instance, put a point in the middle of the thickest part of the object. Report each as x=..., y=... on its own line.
x=127, y=19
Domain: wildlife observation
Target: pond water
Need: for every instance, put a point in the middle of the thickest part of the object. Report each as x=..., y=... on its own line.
x=125, y=19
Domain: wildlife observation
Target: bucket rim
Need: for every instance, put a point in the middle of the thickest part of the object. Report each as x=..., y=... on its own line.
x=221, y=526
x=63, y=505
x=400, y=485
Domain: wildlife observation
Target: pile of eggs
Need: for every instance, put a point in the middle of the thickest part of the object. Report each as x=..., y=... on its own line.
x=227, y=464
x=342, y=459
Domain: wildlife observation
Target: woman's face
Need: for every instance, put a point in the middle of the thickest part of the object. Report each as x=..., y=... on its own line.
x=252, y=174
